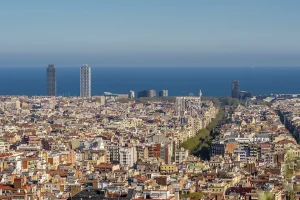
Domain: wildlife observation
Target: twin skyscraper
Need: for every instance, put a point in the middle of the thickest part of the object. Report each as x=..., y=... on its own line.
x=85, y=81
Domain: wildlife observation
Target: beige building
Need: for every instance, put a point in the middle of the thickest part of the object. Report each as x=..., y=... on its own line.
x=181, y=155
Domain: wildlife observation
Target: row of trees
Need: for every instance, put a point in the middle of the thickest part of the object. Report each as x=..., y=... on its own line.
x=199, y=145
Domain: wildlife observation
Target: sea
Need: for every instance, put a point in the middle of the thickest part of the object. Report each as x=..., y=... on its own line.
x=179, y=81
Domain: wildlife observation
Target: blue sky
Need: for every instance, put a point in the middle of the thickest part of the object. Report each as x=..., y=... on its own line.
x=150, y=33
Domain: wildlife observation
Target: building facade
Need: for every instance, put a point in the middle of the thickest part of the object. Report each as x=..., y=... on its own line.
x=113, y=153
x=190, y=105
x=128, y=156
x=181, y=155
x=131, y=94
x=51, y=80
x=164, y=93
x=147, y=93
x=235, y=89
x=85, y=81
x=217, y=148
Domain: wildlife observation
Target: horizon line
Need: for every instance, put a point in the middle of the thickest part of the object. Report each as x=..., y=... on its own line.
x=97, y=66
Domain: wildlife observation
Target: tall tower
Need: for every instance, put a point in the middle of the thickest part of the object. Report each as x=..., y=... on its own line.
x=51, y=80
x=131, y=94
x=235, y=89
x=163, y=93
x=85, y=81
x=200, y=100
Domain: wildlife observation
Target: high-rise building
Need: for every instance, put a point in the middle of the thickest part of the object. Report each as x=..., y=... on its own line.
x=235, y=89
x=181, y=155
x=131, y=94
x=147, y=93
x=128, y=156
x=188, y=104
x=163, y=93
x=51, y=80
x=85, y=81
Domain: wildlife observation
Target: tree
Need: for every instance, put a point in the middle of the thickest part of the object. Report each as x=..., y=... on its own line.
x=199, y=144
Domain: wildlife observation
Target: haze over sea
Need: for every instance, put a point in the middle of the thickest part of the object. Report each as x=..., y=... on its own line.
x=213, y=81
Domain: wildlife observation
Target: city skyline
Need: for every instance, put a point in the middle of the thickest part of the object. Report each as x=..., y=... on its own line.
x=137, y=126
x=180, y=82
x=152, y=33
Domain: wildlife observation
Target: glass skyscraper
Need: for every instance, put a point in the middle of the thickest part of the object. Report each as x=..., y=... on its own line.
x=235, y=89
x=51, y=80
x=85, y=81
